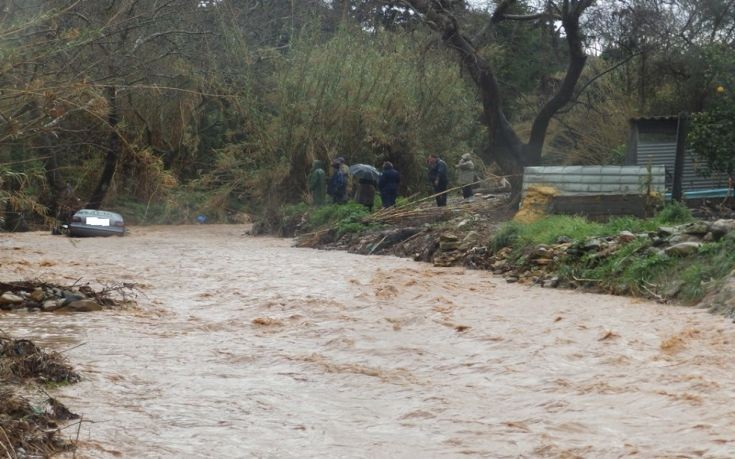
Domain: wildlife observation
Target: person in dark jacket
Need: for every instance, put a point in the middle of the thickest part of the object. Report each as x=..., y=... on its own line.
x=439, y=178
x=366, y=192
x=388, y=185
x=337, y=187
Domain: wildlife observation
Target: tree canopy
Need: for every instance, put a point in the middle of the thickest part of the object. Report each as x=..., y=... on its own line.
x=168, y=109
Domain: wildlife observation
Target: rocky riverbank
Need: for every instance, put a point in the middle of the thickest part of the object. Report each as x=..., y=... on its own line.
x=47, y=297
x=628, y=257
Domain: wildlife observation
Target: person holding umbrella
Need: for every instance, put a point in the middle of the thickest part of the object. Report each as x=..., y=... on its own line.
x=388, y=185
x=367, y=178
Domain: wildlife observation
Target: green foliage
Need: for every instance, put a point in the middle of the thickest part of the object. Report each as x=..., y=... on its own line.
x=368, y=98
x=18, y=198
x=506, y=236
x=606, y=104
x=712, y=136
x=302, y=218
x=625, y=271
x=295, y=210
x=673, y=213
x=346, y=218
x=633, y=269
x=712, y=131
x=703, y=272
x=550, y=229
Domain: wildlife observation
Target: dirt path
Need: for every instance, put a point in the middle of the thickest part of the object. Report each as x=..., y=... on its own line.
x=248, y=347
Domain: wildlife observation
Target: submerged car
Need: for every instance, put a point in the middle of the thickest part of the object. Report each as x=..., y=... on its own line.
x=90, y=222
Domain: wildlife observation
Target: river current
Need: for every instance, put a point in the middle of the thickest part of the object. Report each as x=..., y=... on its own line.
x=247, y=347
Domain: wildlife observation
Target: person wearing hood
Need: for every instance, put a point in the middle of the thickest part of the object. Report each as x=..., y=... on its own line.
x=466, y=175
x=345, y=169
x=388, y=185
x=337, y=186
x=317, y=182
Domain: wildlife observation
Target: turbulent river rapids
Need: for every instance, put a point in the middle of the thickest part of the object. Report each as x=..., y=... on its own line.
x=247, y=347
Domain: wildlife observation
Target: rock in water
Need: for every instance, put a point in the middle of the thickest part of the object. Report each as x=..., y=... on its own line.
x=10, y=298
x=82, y=306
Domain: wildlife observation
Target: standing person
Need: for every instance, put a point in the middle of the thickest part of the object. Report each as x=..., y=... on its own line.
x=337, y=187
x=345, y=169
x=466, y=175
x=438, y=178
x=318, y=183
x=366, y=192
x=388, y=185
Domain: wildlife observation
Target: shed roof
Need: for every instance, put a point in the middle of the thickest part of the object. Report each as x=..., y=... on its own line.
x=655, y=118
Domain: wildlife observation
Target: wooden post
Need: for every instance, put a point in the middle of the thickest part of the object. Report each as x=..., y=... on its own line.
x=677, y=192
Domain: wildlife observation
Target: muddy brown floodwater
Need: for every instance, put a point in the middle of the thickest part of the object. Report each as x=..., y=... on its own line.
x=246, y=347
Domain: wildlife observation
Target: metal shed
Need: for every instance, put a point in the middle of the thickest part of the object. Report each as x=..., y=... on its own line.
x=596, y=180
x=597, y=192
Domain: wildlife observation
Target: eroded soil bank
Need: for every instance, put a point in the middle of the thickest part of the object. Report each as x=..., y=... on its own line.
x=247, y=346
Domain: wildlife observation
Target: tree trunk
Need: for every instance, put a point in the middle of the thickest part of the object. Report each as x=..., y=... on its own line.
x=506, y=148
x=113, y=153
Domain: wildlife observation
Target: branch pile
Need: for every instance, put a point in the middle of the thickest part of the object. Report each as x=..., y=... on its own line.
x=31, y=428
x=409, y=217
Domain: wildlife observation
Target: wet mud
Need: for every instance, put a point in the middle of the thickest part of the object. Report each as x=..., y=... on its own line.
x=246, y=346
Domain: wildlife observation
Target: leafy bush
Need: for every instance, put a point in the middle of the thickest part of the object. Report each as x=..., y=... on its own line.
x=332, y=214
x=674, y=213
x=704, y=271
x=628, y=270
x=506, y=236
x=545, y=231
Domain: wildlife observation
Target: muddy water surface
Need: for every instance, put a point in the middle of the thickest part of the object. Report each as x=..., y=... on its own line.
x=246, y=347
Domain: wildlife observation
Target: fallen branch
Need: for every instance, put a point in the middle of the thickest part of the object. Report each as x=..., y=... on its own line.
x=375, y=247
x=658, y=297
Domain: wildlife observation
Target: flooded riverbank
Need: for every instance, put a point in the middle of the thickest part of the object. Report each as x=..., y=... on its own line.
x=247, y=347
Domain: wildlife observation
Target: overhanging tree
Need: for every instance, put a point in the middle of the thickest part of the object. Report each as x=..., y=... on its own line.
x=506, y=147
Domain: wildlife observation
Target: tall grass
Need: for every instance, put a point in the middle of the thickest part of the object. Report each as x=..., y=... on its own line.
x=367, y=97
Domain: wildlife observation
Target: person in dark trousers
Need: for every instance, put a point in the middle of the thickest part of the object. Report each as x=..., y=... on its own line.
x=366, y=192
x=388, y=185
x=466, y=175
x=438, y=178
x=337, y=187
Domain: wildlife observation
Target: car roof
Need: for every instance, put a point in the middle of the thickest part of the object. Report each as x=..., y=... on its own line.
x=97, y=213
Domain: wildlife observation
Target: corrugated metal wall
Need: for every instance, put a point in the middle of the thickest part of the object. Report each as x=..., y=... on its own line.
x=594, y=180
x=664, y=154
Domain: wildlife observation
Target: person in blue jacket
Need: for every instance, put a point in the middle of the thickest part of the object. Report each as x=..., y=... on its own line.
x=337, y=186
x=388, y=185
x=439, y=178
